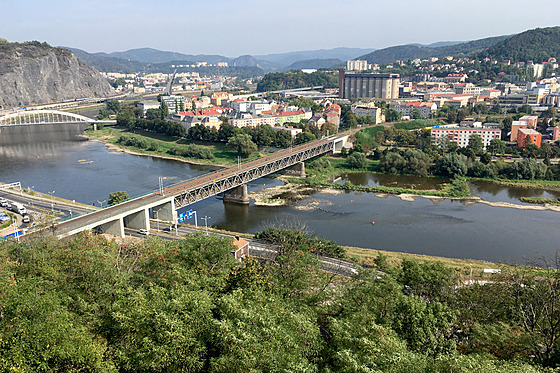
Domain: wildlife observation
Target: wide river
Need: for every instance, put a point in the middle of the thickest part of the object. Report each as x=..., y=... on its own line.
x=87, y=172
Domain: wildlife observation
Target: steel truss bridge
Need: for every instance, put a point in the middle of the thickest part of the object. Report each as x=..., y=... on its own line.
x=30, y=117
x=135, y=213
x=186, y=193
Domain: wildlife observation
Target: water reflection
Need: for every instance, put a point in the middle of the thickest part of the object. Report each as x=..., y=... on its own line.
x=386, y=180
x=494, y=192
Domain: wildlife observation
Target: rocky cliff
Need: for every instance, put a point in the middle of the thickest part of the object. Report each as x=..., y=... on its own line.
x=36, y=73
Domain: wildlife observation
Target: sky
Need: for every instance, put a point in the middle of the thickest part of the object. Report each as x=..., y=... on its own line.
x=237, y=27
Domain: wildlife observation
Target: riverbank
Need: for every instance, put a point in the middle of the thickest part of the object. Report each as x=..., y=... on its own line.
x=159, y=146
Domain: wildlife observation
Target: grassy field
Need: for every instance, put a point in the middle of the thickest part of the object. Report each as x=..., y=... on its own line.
x=222, y=155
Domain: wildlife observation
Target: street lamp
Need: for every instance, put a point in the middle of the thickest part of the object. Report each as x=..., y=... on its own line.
x=160, y=183
x=30, y=190
x=157, y=218
x=101, y=203
x=206, y=223
x=52, y=201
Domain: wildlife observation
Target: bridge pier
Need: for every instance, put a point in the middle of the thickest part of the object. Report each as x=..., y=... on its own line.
x=114, y=228
x=165, y=211
x=297, y=170
x=138, y=220
x=237, y=195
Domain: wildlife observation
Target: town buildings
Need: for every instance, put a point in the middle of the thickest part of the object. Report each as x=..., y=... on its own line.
x=461, y=133
x=526, y=136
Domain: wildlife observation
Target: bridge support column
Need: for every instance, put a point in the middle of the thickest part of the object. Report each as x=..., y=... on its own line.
x=115, y=228
x=138, y=220
x=297, y=170
x=165, y=212
x=237, y=195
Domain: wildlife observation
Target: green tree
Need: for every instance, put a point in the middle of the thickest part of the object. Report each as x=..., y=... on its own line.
x=452, y=165
x=356, y=160
x=114, y=106
x=117, y=197
x=164, y=110
x=304, y=137
x=392, y=115
x=496, y=146
x=243, y=144
x=475, y=143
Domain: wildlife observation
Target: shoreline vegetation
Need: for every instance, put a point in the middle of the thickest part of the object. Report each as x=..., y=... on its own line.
x=320, y=178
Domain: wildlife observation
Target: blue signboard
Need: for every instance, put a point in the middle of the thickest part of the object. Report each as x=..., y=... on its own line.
x=182, y=216
x=189, y=214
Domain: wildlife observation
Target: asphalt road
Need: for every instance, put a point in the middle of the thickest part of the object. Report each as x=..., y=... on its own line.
x=44, y=205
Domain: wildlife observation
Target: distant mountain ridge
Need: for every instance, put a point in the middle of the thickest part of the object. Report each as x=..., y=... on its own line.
x=412, y=51
x=316, y=63
x=138, y=59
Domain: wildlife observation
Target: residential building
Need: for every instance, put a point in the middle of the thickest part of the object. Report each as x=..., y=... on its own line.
x=241, y=248
x=291, y=130
x=467, y=89
x=364, y=85
x=174, y=103
x=556, y=134
x=358, y=65
x=289, y=117
x=146, y=105
x=332, y=114
x=461, y=134
x=252, y=122
x=515, y=127
x=218, y=97
x=525, y=134
x=317, y=120
x=530, y=120
x=425, y=108
x=455, y=78
x=365, y=110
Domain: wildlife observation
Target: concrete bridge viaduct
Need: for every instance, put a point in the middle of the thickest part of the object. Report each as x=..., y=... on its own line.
x=232, y=182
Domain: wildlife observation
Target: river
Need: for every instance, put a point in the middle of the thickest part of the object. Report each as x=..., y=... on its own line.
x=87, y=172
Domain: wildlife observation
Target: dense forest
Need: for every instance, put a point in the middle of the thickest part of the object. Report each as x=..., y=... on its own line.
x=534, y=45
x=297, y=79
x=92, y=305
x=411, y=51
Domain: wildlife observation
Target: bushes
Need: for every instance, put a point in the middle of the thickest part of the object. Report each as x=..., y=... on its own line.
x=192, y=151
x=356, y=160
x=302, y=241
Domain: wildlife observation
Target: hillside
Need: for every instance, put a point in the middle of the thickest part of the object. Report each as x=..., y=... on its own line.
x=86, y=304
x=103, y=62
x=410, y=51
x=536, y=45
x=317, y=63
x=36, y=73
x=288, y=58
x=297, y=79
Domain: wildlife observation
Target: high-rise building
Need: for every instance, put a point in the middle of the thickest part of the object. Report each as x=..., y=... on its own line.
x=358, y=65
x=363, y=85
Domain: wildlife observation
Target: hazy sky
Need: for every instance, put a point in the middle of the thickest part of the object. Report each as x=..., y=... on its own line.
x=237, y=27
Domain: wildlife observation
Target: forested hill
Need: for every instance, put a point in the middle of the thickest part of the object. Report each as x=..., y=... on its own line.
x=297, y=79
x=534, y=45
x=90, y=305
x=405, y=52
